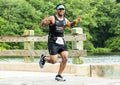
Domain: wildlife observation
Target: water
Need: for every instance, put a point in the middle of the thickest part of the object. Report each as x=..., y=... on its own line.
x=102, y=59
x=87, y=60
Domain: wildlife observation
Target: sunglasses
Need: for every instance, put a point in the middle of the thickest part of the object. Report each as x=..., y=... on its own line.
x=61, y=9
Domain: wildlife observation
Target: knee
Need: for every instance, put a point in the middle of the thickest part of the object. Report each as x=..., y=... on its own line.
x=64, y=60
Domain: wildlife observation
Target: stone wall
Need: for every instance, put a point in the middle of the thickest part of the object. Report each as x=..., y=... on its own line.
x=84, y=70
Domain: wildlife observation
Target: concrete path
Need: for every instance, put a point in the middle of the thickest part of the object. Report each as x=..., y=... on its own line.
x=40, y=78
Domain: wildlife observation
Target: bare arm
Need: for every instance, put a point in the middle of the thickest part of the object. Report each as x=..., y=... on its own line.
x=47, y=21
x=72, y=24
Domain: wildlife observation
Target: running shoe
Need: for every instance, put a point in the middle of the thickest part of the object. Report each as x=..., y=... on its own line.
x=42, y=61
x=59, y=78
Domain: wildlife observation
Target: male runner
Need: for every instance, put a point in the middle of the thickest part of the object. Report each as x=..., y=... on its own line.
x=56, y=42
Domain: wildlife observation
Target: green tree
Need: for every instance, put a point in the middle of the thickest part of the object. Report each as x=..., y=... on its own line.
x=100, y=20
x=113, y=42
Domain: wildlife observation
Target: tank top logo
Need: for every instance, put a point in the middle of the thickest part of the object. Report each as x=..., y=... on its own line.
x=59, y=28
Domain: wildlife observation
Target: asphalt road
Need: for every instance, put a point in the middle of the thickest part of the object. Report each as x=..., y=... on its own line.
x=41, y=78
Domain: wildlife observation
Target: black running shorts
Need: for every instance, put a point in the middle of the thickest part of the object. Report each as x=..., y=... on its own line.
x=55, y=48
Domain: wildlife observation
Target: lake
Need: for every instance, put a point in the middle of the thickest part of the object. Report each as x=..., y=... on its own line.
x=96, y=59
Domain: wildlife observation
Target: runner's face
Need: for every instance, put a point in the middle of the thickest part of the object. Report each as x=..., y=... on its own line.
x=61, y=12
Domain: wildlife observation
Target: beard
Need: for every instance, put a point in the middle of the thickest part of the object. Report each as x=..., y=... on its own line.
x=61, y=14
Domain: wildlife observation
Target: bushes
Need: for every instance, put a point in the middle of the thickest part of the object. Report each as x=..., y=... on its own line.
x=113, y=43
x=102, y=50
x=89, y=46
x=91, y=49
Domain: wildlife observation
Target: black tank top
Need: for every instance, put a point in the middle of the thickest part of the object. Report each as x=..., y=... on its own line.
x=57, y=30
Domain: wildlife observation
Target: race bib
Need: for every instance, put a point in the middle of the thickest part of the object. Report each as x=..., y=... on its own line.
x=60, y=40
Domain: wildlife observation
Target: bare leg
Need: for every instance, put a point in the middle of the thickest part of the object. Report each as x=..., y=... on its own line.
x=64, y=56
x=52, y=59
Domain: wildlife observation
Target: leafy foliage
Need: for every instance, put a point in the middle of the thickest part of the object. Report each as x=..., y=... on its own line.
x=113, y=43
x=100, y=20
